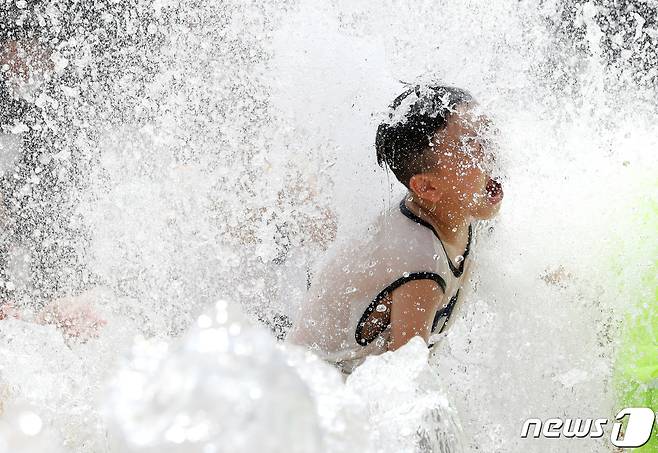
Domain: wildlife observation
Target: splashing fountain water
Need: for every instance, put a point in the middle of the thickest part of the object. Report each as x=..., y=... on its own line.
x=168, y=155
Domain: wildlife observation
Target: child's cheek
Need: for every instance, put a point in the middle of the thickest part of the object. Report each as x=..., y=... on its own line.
x=470, y=183
x=460, y=187
x=476, y=188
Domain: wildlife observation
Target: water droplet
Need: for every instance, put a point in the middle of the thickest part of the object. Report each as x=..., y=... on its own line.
x=30, y=423
x=204, y=321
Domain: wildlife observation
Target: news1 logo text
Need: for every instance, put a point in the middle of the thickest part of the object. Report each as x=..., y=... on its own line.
x=637, y=432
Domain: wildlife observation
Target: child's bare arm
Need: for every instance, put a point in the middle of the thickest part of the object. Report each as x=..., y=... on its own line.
x=74, y=316
x=9, y=310
x=413, y=307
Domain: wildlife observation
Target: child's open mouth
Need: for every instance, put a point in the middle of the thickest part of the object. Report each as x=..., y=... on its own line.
x=494, y=191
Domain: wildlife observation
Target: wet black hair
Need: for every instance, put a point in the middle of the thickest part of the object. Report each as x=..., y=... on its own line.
x=403, y=138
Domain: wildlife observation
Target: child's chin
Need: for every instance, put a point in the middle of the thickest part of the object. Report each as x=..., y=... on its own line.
x=487, y=212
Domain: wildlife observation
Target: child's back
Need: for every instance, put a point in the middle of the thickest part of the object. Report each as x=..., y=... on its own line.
x=347, y=316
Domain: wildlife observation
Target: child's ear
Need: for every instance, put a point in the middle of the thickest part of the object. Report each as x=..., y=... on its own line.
x=426, y=187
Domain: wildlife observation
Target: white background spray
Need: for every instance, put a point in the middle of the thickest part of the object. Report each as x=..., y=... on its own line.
x=228, y=147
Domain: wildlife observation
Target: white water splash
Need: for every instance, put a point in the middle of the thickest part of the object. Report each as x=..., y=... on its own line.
x=201, y=132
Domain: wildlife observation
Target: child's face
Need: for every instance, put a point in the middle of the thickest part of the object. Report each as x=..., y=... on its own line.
x=462, y=179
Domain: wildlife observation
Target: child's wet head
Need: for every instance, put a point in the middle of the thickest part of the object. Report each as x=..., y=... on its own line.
x=439, y=144
x=464, y=163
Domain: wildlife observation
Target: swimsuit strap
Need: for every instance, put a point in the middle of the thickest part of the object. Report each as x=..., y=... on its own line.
x=456, y=271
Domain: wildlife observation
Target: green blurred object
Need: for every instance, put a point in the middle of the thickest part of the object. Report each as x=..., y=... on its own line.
x=636, y=367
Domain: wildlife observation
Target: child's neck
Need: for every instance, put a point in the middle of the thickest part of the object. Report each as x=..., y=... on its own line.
x=451, y=226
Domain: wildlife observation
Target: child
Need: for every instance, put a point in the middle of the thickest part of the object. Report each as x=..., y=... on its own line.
x=403, y=277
